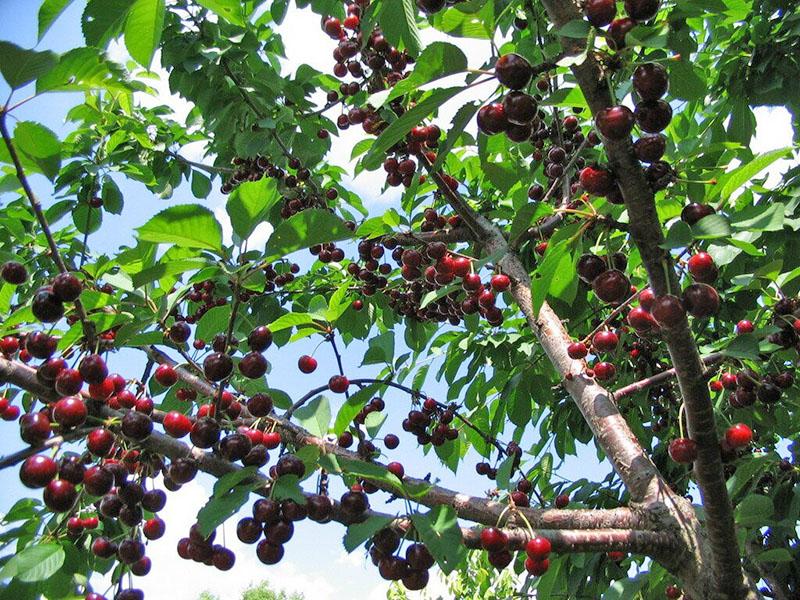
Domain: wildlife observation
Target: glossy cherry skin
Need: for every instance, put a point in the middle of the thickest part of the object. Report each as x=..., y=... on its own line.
x=38, y=471
x=738, y=435
x=683, y=450
x=600, y=12
x=615, y=122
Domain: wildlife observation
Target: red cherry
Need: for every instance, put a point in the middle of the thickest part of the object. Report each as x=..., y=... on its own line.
x=60, y=495
x=9, y=345
x=744, y=326
x=537, y=567
x=668, y=310
x=701, y=300
x=615, y=122
x=683, y=450
x=37, y=471
x=615, y=555
x=715, y=385
x=738, y=435
x=538, y=547
x=673, y=592
x=605, y=341
x=493, y=539
x=397, y=469
x=796, y=325
x=561, y=501
x=702, y=267
x=177, y=424
x=597, y=180
x=11, y=413
x=612, y=286
x=272, y=440
x=100, y=441
x=101, y=391
x=728, y=381
x=166, y=375
x=577, y=350
x=500, y=282
x=70, y=412
x=461, y=266
x=307, y=364
x=641, y=320
x=338, y=384
x=600, y=12
x=604, y=371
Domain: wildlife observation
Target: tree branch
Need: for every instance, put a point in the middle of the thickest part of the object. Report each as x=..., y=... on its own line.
x=88, y=326
x=643, y=384
x=646, y=231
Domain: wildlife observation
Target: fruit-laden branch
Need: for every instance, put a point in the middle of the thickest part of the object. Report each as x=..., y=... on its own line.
x=468, y=507
x=647, y=233
x=53, y=442
x=608, y=425
x=643, y=384
x=479, y=510
x=55, y=255
x=448, y=236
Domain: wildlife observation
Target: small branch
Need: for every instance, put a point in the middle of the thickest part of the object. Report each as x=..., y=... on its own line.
x=659, y=378
x=448, y=236
x=207, y=168
x=88, y=326
x=18, y=457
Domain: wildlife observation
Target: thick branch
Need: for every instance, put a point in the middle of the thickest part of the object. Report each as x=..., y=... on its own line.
x=471, y=508
x=646, y=231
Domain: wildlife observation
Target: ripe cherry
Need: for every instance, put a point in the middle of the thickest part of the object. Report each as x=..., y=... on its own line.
x=673, y=592
x=618, y=30
x=744, y=326
x=177, y=424
x=14, y=273
x=60, y=495
x=641, y=320
x=67, y=287
x=491, y=120
x=605, y=341
x=46, y=306
x=612, y=286
x=166, y=375
x=702, y=267
x=253, y=365
x=338, y=384
x=653, y=116
x=217, y=366
x=494, y=539
x=604, y=371
x=600, y=12
x=520, y=108
x=307, y=364
x=513, y=71
x=651, y=81
x=597, y=180
x=537, y=567
x=738, y=435
x=431, y=6
x=693, y=212
x=668, y=310
x=37, y=471
x=538, y=547
x=701, y=300
x=259, y=405
x=641, y=10
x=391, y=441
x=396, y=468
x=70, y=412
x=500, y=282
x=615, y=122
x=650, y=148
x=100, y=441
x=683, y=450
x=577, y=350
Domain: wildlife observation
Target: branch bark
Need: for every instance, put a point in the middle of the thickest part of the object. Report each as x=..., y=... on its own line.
x=646, y=231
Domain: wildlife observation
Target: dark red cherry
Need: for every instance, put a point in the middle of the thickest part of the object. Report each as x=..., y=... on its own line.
x=93, y=368
x=590, y=266
x=597, y=180
x=520, y=108
x=253, y=365
x=60, y=495
x=600, y=12
x=701, y=300
x=37, y=471
x=46, y=306
x=692, y=213
x=513, y=71
x=651, y=81
x=217, y=366
x=653, y=116
x=668, y=310
x=14, y=273
x=491, y=120
x=641, y=10
x=650, y=148
x=615, y=122
x=618, y=30
x=683, y=450
x=259, y=339
x=612, y=286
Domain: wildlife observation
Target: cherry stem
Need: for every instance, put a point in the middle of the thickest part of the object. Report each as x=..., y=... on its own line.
x=612, y=315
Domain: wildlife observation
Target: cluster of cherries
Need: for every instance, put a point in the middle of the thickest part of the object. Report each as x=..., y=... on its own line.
x=48, y=301
x=399, y=164
x=412, y=569
x=604, y=12
x=432, y=424
x=537, y=550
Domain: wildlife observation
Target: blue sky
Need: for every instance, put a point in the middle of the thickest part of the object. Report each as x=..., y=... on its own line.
x=315, y=561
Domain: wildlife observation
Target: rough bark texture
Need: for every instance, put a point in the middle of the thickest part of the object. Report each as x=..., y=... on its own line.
x=646, y=231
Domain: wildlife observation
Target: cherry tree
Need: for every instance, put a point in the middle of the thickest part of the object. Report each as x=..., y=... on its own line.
x=599, y=262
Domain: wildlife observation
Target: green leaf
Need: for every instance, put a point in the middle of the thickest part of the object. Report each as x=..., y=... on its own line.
x=20, y=66
x=685, y=82
x=754, y=510
x=360, y=532
x=441, y=533
x=230, y=10
x=545, y=273
x=679, y=236
x=479, y=25
x=781, y=555
x=143, y=29
x=438, y=60
x=49, y=11
x=315, y=416
x=39, y=144
x=166, y=268
x=526, y=216
x=399, y=128
x=290, y=320
x=305, y=229
x=460, y=121
x=201, y=185
x=730, y=182
x=227, y=482
x=353, y=406
x=711, y=227
x=249, y=204
x=288, y=486
x=381, y=349
x=219, y=509
x=186, y=226
x=103, y=20
x=398, y=21
x=85, y=69
x=743, y=346
x=112, y=196
x=34, y=563
x=578, y=28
